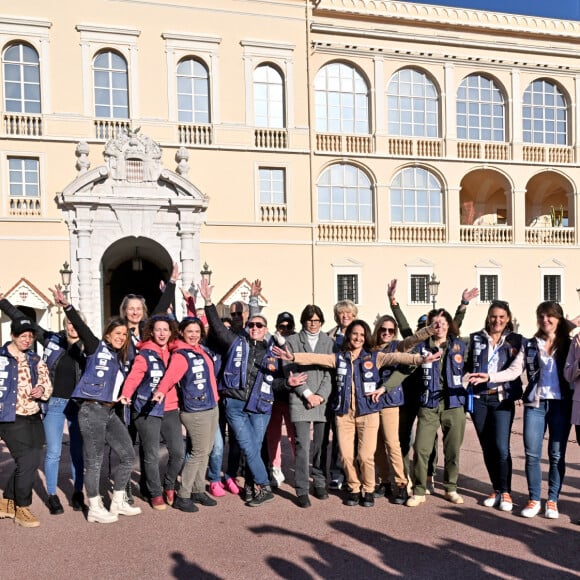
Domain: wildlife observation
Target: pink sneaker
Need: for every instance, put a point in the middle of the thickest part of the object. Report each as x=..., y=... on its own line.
x=232, y=486
x=216, y=488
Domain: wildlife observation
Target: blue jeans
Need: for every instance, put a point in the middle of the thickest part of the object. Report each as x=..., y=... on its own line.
x=249, y=429
x=58, y=411
x=493, y=421
x=553, y=414
x=214, y=467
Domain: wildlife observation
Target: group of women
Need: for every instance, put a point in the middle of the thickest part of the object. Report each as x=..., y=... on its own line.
x=369, y=386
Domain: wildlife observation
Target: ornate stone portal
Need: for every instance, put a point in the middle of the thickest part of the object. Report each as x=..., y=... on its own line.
x=129, y=204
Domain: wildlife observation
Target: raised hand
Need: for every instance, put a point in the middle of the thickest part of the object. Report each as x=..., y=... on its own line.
x=256, y=288
x=469, y=295
x=283, y=354
x=205, y=290
x=392, y=289
x=58, y=295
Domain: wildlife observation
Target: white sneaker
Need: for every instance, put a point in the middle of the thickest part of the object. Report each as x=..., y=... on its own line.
x=119, y=505
x=453, y=497
x=552, y=510
x=493, y=500
x=506, y=504
x=278, y=477
x=98, y=513
x=415, y=500
x=532, y=509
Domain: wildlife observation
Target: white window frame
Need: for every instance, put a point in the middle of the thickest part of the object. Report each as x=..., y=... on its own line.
x=5, y=179
x=349, y=267
x=489, y=270
x=552, y=272
x=96, y=39
x=203, y=48
x=425, y=269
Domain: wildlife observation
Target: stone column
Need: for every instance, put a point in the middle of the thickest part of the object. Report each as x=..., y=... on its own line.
x=87, y=298
x=519, y=215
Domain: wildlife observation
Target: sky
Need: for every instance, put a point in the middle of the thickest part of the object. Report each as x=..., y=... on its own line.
x=565, y=9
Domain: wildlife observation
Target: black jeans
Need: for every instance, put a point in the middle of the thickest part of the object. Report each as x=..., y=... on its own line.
x=151, y=429
x=303, y=444
x=25, y=440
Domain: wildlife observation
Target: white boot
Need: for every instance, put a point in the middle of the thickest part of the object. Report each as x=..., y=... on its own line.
x=98, y=513
x=119, y=505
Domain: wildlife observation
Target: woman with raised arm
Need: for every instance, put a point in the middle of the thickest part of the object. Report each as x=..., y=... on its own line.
x=356, y=402
x=65, y=358
x=97, y=392
x=24, y=382
x=192, y=367
x=491, y=350
x=155, y=420
x=547, y=404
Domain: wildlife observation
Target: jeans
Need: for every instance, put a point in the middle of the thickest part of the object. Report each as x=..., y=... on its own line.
x=201, y=427
x=216, y=457
x=493, y=421
x=249, y=429
x=58, y=411
x=553, y=414
x=100, y=426
x=150, y=430
x=303, y=444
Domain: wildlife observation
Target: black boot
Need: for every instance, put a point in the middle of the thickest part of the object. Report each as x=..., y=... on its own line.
x=77, y=501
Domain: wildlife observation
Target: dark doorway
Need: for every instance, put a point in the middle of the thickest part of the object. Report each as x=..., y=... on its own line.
x=144, y=282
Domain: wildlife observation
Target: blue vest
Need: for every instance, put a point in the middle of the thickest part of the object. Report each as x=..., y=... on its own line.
x=100, y=376
x=532, y=362
x=195, y=391
x=506, y=353
x=366, y=380
x=234, y=372
x=395, y=397
x=261, y=397
x=453, y=390
x=142, y=402
x=9, y=381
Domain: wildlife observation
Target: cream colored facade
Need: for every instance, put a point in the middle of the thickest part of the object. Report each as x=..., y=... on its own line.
x=502, y=211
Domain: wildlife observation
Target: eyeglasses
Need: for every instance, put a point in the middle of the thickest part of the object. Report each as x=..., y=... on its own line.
x=256, y=325
x=387, y=330
x=314, y=321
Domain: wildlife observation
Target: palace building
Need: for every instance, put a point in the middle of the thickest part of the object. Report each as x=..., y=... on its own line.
x=323, y=146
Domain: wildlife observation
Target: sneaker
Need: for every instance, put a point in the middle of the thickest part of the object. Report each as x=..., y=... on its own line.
x=231, y=485
x=121, y=507
x=352, y=499
x=320, y=492
x=337, y=482
x=54, y=506
x=169, y=495
x=203, y=499
x=25, y=518
x=506, y=504
x=416, y=500
x=264, y=495
x=492, y=500
x=7, y=509
x=278, y=477
x=77, y=502
x=402, y=495
x=185, y=504
x=453, y=497
x=216, y=488
x=383, y=490
x=303, y=501
x=430, y=487
x=551, y=510
x=158, y=503
x=532, y=509
x=368, y=499
x=248, y=492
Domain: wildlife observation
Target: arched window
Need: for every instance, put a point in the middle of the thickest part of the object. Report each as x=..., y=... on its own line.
x=412, y=104
x=544, y=114
x=268, y=97
x=345, y=195
x=416, y=197
x=192, y=92
x=480, y=110
x=111, y=86
x=342, y=100
x=21, y=79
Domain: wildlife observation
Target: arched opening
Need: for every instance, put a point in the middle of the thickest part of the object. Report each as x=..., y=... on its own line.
x=133, y=266
x=484, y=199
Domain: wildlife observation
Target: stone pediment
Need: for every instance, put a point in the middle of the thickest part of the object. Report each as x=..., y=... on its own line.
x=24, y=293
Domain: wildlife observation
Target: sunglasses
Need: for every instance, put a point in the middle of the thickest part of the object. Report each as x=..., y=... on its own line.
x=256, y=325
x=235, y=314
x=387, y=330
x=133, y=296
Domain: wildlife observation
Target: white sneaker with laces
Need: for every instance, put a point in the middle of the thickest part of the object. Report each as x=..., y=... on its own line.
x=493, y=500
x=506, y=504
x=532, y=509
x=552, y=510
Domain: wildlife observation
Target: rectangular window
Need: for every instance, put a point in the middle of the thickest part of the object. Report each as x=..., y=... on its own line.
x=553, y=287
x=488, y=287
x=24, y=177
x=272, y=186
x=420, y=288
x=347, y=287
